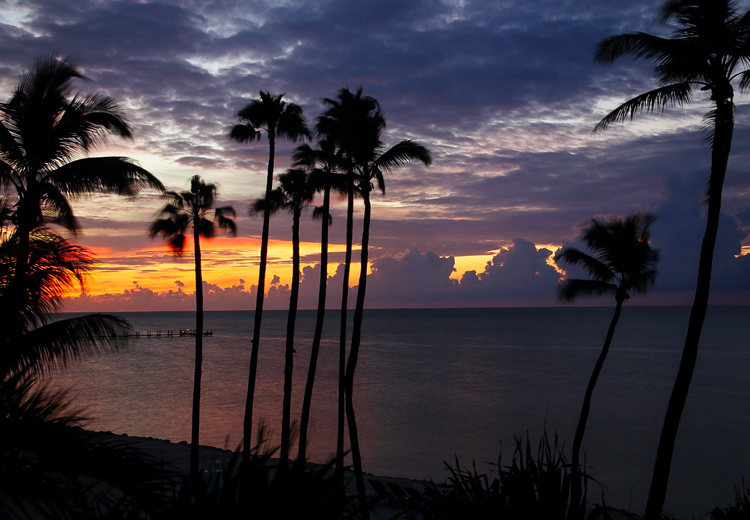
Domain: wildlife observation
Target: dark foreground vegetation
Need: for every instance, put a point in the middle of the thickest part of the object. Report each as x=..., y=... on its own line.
x=52, y=468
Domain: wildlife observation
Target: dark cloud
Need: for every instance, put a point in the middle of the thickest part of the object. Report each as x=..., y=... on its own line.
x=505, y=94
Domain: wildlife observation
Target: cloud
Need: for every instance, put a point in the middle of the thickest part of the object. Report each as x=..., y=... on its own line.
x=505, y=95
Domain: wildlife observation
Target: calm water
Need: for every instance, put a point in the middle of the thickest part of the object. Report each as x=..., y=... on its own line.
x=435, y=384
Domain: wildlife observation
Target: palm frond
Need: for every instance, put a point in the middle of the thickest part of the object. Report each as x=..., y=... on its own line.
x=54, y=266
x=56, y=209
x=50, y=464
x=223, y=219
x=118, y=175
x=319, y=213
x=674, y=95
x=53, y=345
x=292, y=124
x=744, y=80
x=571, y=290
x=402, y=153
x=637, y=45
x=621, y=258
x=244, y=133
x=595, y=268
x=85, y=123
x=274, y=203
x=191, y=206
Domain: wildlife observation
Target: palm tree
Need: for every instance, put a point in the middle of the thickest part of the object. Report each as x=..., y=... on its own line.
x=709, y=48
x=277, y=118
x=49, y=467
x=182, y=210
x=293, y=194
x=357, y=129
x=30, y=342
x=371, y=168
x=323, y=165
x=44, y=128
x=621, y=262
x=342, y=124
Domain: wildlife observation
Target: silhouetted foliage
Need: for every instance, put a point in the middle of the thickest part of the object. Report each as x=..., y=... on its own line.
x=184, y=210
x=257, y=489
x=355, y=124
x=48, y=466
x=324, y=166
x=277, y=118
x=740, y=510
x=622, y=261
x=534, y=485
x=293, y=194
x=44, y=127
x=709, y=47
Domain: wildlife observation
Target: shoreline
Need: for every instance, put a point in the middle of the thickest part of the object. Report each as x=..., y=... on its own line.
x=176, y=455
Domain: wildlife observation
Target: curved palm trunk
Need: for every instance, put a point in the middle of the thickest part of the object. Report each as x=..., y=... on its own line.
x=576, y=490
x=286, y=411
x=248, y=420
x=195, y=436
x=342, y=330
x=320, y=318
x=351, y=365
x=722, y=143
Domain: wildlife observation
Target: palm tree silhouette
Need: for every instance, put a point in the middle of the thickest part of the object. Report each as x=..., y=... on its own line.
x=621, y=262
x=357, y=132
x=277, y=118
x=342, y=124
x=293, y=194
x=370, y=171
x=32, y=344
x=323, y=165
x=183, y=210
x=42, y=131
x=709, y=45
x=47, y=464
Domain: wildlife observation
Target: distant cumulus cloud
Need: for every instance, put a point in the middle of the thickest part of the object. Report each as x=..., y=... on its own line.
x=504, y=94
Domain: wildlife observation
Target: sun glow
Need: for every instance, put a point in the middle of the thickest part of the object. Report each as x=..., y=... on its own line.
x=226, y=262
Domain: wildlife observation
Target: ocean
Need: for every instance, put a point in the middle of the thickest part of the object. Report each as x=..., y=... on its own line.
x=433, y=385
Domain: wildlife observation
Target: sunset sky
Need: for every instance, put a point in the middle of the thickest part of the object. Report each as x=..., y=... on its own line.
x=504, y=93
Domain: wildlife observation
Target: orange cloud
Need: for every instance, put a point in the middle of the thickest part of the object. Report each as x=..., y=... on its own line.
x=226, y=262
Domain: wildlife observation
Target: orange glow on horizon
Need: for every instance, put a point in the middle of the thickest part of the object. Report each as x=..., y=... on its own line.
x=226, y=262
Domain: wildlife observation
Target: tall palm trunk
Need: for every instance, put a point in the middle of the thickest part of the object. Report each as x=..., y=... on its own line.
x=286, y=411
x=342, y=329
x=722, y=142
x=576, y=490
x=26, y=224
x=248, y=421
x=351, y=365
x=320, y=318
x=195, y=436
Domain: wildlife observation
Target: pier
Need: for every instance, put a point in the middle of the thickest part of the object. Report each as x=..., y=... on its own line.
x=161, y=334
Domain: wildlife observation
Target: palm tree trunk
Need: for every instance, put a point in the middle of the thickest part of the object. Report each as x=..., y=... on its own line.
x=576, y=490
x=351, y=365
x=286, y=412
x=26, y=224
x=342, y=329
x=248, y=421
x=195, y=436
x=320, y=317
x=722, y=143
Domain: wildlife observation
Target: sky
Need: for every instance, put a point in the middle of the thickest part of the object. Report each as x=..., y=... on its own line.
x=504, y=93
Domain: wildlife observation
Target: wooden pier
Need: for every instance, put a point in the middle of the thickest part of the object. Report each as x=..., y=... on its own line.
x=161, y=334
